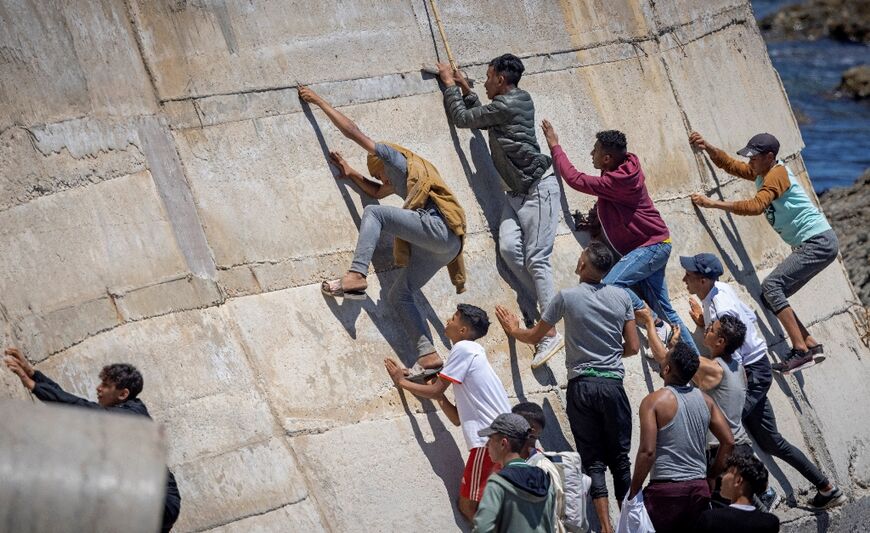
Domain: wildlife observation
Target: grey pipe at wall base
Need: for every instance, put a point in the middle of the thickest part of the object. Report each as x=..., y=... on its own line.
x=64, y=469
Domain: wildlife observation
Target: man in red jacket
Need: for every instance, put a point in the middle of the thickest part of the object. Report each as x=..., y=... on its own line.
x=631, y=223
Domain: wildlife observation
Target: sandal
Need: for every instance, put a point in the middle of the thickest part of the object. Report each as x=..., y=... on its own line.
x=335, y=289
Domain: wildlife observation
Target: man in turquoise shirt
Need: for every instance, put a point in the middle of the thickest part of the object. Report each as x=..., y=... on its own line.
x=798, y=221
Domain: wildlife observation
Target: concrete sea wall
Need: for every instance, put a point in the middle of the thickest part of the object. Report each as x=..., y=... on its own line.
x=165, y=201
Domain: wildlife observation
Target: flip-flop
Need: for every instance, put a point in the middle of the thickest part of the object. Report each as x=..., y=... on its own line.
x=335, y=289
x=424, y=375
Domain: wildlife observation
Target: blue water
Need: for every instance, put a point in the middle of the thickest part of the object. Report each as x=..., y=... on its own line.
x=837, y=136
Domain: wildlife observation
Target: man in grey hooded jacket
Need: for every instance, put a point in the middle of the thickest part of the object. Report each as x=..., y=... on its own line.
x=520, y=498
x=530, y=216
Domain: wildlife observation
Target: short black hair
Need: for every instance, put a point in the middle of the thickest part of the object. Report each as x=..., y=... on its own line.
x=733, y=330
x=509, y=66
x=613, y=142
x=123, y=376
x=684, y=361
x=475, y=318
x=532, y=412
x=751, y=469
x=599, y=256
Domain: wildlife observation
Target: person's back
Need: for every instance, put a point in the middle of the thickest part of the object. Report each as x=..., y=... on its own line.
x=681, y=442
x=745, y=519
x=595, y=315
x=723, y=299
x=730, y=396
x=526, y=498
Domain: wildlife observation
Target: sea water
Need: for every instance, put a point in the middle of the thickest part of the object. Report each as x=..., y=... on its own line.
x=836, y=131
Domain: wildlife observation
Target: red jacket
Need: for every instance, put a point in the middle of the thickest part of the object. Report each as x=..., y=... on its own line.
x=625, y=209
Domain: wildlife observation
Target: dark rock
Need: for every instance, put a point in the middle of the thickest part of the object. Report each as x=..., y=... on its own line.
x=856, y=82
x=842, y=20
x=848, y=210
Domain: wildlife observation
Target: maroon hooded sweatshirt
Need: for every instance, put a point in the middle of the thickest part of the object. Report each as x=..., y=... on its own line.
x=626, y=211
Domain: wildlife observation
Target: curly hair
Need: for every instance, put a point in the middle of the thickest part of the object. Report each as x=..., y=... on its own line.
x=613, y=142
x=684, y=361
x=599, y=256
x=751, y=469
x=509, y=66
x=476, y=319
x=733, y=330
x=123, y=376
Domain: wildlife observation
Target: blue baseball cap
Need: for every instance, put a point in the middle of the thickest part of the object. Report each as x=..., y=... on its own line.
x=707, y=265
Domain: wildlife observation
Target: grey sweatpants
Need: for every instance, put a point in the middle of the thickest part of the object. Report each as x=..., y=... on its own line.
x=433, y=246
x=805, y=261
x=525, y=238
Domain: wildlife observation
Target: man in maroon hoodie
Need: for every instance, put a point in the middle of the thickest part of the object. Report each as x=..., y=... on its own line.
x=630, y=221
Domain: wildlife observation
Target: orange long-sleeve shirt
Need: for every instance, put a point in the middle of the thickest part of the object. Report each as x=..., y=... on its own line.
x=774, y=183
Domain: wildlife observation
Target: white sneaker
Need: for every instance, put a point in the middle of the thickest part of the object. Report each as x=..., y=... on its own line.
x=547, y=348
x=665, y=332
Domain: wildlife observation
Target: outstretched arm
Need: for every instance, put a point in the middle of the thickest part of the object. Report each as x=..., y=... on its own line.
x=511, y=325
x=41, y=385
x=466, y=111
x=720, y=158
x=659, y=350
x=347, y=127
x=585, y=183
x=430, y=391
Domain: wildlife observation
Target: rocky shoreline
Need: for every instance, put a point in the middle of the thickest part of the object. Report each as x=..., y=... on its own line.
x=841, y=20
x=848, y=210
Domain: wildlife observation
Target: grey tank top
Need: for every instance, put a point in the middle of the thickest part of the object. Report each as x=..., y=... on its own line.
x=681, y=446
x=730, y=395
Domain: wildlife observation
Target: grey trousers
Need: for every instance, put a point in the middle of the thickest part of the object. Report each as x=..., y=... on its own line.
x=525, y=238
x=433, y=246
x=805, y=261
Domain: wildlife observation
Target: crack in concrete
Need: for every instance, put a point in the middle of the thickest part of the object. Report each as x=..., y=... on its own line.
x=251, y=515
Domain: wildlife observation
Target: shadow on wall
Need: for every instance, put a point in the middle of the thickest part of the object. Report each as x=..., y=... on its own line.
x=442, y=453
x=380, y=313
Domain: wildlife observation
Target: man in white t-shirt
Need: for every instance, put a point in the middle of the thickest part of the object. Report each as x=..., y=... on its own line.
x=480, y=397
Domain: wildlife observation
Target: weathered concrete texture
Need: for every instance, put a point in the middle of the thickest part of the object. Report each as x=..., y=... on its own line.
x=165, y=200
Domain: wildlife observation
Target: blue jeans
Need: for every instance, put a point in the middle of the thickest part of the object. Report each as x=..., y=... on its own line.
x=645, y=267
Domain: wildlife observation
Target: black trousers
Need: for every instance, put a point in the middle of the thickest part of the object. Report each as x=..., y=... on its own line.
x=600, y=418
x=760, y=422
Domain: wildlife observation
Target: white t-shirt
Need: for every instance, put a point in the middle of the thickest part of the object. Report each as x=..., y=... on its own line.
x=722, y=300
x=480, y=395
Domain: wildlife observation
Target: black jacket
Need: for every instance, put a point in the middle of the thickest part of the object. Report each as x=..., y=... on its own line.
x=49, y=391
x=510, y=121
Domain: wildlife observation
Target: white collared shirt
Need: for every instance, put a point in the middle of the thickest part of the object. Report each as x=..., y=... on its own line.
x=722, y=300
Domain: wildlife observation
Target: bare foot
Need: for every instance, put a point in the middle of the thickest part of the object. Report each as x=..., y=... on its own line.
x=354, y=281
x=430, y=360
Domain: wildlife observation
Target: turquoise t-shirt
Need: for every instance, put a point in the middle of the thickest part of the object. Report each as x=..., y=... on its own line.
x=793, y=215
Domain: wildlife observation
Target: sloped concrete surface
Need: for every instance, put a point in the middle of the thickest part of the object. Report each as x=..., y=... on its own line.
x=165, y=200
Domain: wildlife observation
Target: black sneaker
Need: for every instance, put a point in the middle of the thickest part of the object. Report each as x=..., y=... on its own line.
x=794, y=361
x=835, y=498
x=818, y=353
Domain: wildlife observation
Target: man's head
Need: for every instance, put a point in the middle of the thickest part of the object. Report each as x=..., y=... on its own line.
x=507, y=435
x=761, y=151
x=594, y=262
x=702, y=271
x=534, y=415
x=468, y=323
x=610, y=150
x=118, y=383
x=725, y=336
x=681, y=365
x=744, y=475
x=503, y=74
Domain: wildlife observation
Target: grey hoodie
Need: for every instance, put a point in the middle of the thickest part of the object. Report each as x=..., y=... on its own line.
x=510, y=119
x=518, y=499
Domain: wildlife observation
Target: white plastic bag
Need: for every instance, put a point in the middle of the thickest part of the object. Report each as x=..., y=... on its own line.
x=634, y=518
